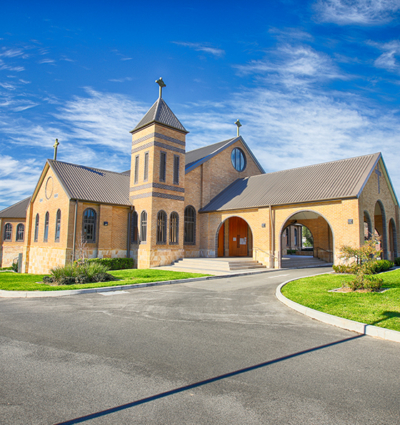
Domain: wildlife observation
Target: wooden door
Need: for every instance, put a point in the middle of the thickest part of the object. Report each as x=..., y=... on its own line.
x=238, y=238
x=221, y=237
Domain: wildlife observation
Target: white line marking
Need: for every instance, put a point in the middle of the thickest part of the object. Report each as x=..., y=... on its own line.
x=113, y=293
x=280, y=275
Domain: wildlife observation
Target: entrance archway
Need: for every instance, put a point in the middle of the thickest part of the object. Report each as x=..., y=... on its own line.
x=367, y=226
x=234, y=238
x=380, y=227
x=321, y=230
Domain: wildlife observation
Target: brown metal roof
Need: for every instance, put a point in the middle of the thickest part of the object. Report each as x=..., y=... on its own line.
x=162, y=114
x=330, y=180
x=92, y=184
x=17, y=210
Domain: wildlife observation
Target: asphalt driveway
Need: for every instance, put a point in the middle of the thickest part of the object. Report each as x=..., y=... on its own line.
x=214, y=352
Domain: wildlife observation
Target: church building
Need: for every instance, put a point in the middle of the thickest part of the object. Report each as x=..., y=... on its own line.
x=215, y=201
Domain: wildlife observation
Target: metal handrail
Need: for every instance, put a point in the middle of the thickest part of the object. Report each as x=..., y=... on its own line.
x=265, y=252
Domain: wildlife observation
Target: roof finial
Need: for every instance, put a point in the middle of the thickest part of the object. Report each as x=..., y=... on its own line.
x=238, y=126
x=55, y=146
x=161, y=83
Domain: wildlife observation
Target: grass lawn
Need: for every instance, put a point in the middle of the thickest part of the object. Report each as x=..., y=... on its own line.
x=27, y=282
x=379, y=309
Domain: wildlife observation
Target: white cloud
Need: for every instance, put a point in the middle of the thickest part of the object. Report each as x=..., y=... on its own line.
x=120, y=80
x=293, y=66
x=387, y=59
x=47, y=60
x=201, y=48
x=359, y=12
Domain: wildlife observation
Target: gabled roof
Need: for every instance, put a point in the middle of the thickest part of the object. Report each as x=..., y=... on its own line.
x=162, y=114
x=17, y=210
x=92, y=184
x=331, y=180
x=197, y=157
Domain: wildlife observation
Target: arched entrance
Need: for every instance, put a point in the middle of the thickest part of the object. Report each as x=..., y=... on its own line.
x=380, y=227
x=322, y=237
x=234, y=238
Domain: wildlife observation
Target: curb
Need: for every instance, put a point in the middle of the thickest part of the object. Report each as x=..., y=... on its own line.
x=61, y=293
x=350, y=325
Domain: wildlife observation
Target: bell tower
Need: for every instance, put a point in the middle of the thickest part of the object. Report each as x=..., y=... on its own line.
x=157, y=184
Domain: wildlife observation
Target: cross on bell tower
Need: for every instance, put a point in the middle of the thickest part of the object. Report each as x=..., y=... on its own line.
x=379, y=174
x=161, y=83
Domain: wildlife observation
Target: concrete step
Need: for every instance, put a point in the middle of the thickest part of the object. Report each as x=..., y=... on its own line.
x=218, y=263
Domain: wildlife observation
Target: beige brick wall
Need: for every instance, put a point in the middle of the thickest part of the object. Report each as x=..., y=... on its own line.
x=9, y=250
x=368, y=200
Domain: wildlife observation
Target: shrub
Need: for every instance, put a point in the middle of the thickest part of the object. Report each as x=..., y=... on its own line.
x=397, y=261
x=70, y=274
x=82, y=278
x=14, y=266
x=66, y=280
x=103, y=277
x=111, y=263
x=291, y=251
x=48, y=279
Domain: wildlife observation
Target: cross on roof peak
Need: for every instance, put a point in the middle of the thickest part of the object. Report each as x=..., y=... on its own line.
x=161, y=83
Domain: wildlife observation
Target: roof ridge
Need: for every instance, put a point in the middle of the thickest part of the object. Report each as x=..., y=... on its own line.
x=315, y=165
x=86, y=166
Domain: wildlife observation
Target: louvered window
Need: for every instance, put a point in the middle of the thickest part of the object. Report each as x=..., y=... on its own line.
x=163, y=165
x=136, y=168
x=176, y=169
x=146, y=167
x=143, y=224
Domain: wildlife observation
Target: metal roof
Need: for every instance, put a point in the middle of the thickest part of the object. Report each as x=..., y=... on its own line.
x=198, y=156
x=162, y=114
x=17, y=210
x=92, y=184
x=330, y=180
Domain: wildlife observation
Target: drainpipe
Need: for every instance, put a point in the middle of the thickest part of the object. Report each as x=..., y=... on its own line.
x=74, y=241
x=98, y=233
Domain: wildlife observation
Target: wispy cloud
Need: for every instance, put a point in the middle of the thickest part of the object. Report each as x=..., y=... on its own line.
x=46, y=60
x=293, y=66
x=199, y=47
x=358, y=12
x=387, y=60
x=120, y=80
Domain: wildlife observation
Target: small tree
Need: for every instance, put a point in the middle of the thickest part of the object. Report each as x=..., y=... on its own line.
x=362, y=262
x=81, y=250
x=309, y=241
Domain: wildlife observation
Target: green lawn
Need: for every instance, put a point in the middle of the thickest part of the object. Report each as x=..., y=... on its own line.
x=27, y=282
x=379, y=309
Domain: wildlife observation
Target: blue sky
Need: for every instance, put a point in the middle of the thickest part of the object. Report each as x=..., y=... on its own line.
x=311, y=81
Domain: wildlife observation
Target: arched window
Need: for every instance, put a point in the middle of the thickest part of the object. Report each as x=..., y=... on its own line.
x=58, y=226
x=89, y=225
x=190, y=225
x=134, y=227
x=173, y=228
x=161, y=227
x=7, y=232
x=36, y=228
x=46, y=227
x=295, y=237
x=20, y=232
x=143, y=223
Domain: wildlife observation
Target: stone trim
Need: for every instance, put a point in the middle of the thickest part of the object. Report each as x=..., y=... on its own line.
x=157, y=186
x=160, y=145
x=158, y=195
x=159, y=136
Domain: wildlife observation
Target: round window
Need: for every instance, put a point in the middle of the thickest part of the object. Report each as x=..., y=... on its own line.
x=238, y=159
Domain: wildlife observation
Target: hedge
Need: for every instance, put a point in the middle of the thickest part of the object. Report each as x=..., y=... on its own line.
x=112, y=263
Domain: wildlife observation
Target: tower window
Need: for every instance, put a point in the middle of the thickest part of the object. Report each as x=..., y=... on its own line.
x=136, y=169
x=176, y=169
x=143, y=223
x=163, y=166
x=146, y=167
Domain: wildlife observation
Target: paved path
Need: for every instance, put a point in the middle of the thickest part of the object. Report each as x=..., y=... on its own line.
x=68, y=357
